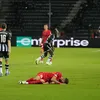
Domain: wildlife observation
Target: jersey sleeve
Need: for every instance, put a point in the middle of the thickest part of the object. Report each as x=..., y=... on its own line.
x=40, y=74
x=9, y=36
x=50, y=38
x=58, y=75
x=49, y=32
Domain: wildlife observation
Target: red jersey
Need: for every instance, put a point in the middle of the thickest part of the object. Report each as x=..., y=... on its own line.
x=48, y=75
x=58, y=75
x=1, y=29
x=45, y=35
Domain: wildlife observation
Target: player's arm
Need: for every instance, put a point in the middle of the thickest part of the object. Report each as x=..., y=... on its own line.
x=40, y=41
x=9, y=42
x=9, y=45
x=61, y=80
x=42, y=38
x=43, y=81
x=46, y=83
x=55, y=80
x=39, y=77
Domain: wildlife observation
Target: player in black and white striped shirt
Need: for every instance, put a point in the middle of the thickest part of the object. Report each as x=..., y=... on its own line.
x=48, y=47
x=5, y=48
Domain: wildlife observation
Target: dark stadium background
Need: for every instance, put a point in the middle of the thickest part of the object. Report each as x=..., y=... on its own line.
x=77, y=56
x=73, y=18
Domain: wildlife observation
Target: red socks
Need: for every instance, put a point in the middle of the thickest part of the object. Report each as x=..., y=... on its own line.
x=35, y=82
x=31, y=79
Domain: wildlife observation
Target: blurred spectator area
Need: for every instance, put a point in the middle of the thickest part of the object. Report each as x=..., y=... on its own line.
x=26, y=17
x=86, y=20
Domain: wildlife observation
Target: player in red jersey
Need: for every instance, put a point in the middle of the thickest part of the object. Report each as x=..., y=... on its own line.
x=1, y=29
x=45, y=34
x=47, y=78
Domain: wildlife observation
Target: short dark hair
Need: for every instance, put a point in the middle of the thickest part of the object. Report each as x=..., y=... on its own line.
x=66, y=80
x=46, y=24
x=4, y=26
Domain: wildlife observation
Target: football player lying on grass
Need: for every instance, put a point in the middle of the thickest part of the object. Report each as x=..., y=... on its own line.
x=46, y=78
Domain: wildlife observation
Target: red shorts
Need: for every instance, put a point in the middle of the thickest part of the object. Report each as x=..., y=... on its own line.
x=42, y=76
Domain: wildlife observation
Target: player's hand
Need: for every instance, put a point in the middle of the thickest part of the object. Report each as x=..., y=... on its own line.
x=46, y=83
x=41, y=44
x=52, y=83
x=9, y=51
x=62, y=83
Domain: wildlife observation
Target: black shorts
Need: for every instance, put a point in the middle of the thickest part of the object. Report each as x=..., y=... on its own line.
x=4, y=55
x=47, y=47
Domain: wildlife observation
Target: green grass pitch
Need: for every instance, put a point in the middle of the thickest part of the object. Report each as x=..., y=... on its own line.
x=80, y=65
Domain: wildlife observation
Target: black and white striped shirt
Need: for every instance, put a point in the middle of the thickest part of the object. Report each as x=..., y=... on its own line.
x=50, y=38
x=4, y=37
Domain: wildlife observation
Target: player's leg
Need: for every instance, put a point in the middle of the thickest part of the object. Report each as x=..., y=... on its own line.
x=6, y=56
x=1, y=56
x=43, y=55
x=49, y=61
x=1, y=72
x=36, y=80
x=41, y=52
x=31, y=79
x=26, y=82
x=31, y=82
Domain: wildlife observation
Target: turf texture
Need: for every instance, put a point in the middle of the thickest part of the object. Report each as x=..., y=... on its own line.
x=80, y=65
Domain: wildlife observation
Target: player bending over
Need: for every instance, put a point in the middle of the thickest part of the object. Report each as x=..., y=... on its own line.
x=46, y=78
x=48, y=48
x=5, y=48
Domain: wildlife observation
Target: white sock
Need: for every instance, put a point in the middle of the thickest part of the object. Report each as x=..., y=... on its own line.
x=24, y=82
x=0, y=69
x=48, y=60
x=39, y=58
x=7, y=70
